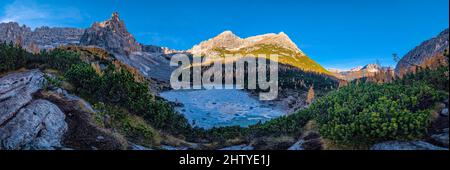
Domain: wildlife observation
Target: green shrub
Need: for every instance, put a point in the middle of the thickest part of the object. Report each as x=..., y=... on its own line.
x=12, y=57
x=367, y=113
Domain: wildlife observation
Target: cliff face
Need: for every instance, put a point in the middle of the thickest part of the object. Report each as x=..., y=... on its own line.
x=40, y=38
x=427, y=50
x=111, y=35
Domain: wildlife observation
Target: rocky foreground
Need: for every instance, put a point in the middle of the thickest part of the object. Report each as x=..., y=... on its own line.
x=34, y=116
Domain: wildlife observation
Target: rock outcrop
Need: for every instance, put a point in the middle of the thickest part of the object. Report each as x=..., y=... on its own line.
x=428, y=49
x=32, y=117
x=26, y=123
x=40, y=38
x=38, y=125
x=311, y=141
x=441, y=138
x=111, y=35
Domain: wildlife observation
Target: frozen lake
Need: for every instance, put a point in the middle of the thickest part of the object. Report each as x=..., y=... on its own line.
x=218, y=108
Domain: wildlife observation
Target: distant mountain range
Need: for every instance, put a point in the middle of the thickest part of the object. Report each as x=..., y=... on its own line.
x=40, y=38
x=152, y=61
x=368, y=70
x=113, y=36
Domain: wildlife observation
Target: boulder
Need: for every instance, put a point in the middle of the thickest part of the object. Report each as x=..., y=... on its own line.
x=16, y=90
x=297, y=145
x=25, y=122
x=441, y=138
x=32, y=117
x=311, y=141
x=38, y=125
x=444, y=112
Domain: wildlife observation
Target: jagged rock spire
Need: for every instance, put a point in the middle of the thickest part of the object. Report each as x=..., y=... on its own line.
x=112, y=35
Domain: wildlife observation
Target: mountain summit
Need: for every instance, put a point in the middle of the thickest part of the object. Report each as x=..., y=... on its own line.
x=111, y=35
x=229, y=43
x=228, y=40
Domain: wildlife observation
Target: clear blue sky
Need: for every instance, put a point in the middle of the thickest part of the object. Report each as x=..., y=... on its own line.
x=335, y=33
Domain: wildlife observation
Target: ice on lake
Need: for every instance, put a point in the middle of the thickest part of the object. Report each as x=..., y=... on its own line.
x=218, y=108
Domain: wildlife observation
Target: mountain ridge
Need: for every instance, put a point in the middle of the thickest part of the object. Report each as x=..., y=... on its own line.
x=425, y=51
x=40, y=38
x=229, y=43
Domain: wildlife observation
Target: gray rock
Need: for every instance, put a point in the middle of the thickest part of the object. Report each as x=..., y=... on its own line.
x=26, y=123
x=40, y=38
x=412, y=145
x=444, y=112
x=297, y=145
x=16, y=91
x=39, y=125
x=100, y=138
x=111, y=35
x=312, y=141
x=238, y=147
x=137, y=147
x=441, y=138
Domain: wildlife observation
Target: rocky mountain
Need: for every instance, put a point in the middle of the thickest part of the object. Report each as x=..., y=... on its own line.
x=229, y=43
x=111, y=35
x=427, y=50
x=40, y=38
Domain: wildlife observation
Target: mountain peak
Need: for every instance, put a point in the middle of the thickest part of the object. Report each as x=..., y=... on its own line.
x=115, y=16
x=229, y=40
x=283, y=34
x=227, y=32
x=111, y=35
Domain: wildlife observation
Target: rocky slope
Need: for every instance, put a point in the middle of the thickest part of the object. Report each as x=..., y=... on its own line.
x=40, y=38
x=428, y=49
x=281, y=44
x=33, y=117
x=26, y=123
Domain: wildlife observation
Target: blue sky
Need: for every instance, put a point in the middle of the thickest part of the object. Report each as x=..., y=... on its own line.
x=336, y=33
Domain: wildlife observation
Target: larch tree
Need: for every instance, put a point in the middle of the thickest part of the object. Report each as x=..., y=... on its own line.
x=310, y=96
